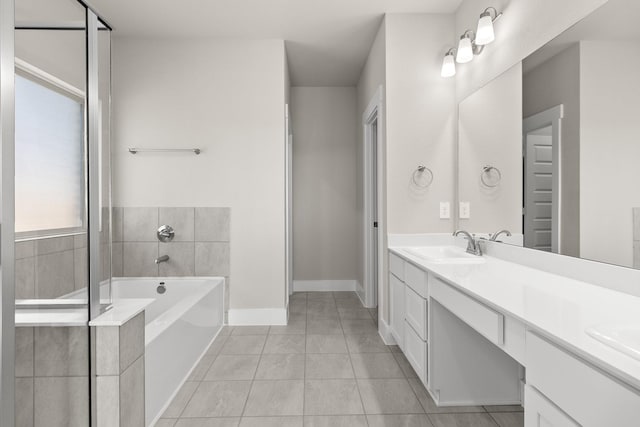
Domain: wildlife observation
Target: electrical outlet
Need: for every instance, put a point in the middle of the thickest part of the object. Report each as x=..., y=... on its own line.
x=445, y=210
x=465, y=210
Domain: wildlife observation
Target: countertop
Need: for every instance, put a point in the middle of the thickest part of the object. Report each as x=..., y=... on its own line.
x=557, y=307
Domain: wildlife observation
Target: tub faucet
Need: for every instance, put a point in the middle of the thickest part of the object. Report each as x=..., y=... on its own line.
x=472, y=247
x=495, y=235
x=163, y=258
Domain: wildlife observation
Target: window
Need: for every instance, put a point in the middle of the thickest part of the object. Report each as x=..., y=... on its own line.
x=50, y=173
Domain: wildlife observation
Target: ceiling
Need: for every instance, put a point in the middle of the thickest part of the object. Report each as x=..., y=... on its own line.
x=327, y=41
x=617, y=20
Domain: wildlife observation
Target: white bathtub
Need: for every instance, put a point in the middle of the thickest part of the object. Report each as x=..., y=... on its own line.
x=180, y=325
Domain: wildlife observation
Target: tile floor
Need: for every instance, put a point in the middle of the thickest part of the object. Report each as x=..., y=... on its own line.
x=328, y=368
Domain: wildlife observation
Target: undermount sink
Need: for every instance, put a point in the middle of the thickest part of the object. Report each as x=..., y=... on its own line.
x=625, y=339
x=445, y=255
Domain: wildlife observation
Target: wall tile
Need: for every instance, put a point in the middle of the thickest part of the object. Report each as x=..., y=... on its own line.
x=118, y=224
x=212, y=259
x=61, y=351
x=80, y=268
x=182, y=221
x=54, y=244
x=108, y=405
x=25, y=278
x=54, y=274
x=181, y=259
x=131, y=341
x=117, y=260
x=132, y=395
x=25, y=249
x=61, y=402
x=107, y=350
x=24, y=352
x=138, y=259
x=24, y=402
x=212, y=224
x=140, y=224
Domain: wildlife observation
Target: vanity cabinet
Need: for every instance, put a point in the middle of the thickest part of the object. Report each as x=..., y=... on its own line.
x=396, y=322
x=540, y=412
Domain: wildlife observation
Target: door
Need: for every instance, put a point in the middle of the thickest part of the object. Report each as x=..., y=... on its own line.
x=542, y=178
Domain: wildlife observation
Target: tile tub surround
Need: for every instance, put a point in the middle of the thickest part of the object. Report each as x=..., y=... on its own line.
x=52, y=380
x=327, y=367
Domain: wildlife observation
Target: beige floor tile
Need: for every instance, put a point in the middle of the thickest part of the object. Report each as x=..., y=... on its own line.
x=429, y=405
x=281, y=367
x=376, y=365
x=388, y=396
x=208, y=422
x=202, y=367
x=244, y=344
x=275, y=398
x=462, y=420
x=328, y=366
x=325, y=326
x=271, y=422
x=218, y=399
x=297, y=325
x=411, y=420
x=332, y=397
x=165, y=422
x=504, y=408
x=284, y=344
x=404, y=364
x=236, y=367
x=354, y=313
x=177, y=405
x=316, y=296
x=366, y=343
x=336, y=421
x=508, y=419
x=250, y=330
x=359, y=326
x=326, y=344
x=216, y=345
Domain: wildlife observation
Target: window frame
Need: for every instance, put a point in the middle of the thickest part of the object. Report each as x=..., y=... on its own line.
x=41, y=77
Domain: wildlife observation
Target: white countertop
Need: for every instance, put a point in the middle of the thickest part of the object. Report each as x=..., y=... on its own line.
x=558, y=307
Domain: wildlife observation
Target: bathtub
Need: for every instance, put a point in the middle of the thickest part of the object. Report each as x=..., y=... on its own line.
x=180, y=326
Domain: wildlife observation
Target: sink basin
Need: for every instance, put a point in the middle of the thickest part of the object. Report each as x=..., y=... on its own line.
x=445, y=255
x=625, y=339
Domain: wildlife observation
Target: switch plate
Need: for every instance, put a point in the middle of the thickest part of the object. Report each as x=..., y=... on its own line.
x=465, y=210
x=445, y=210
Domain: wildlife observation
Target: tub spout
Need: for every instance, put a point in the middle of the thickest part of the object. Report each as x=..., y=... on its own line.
x=163, y=258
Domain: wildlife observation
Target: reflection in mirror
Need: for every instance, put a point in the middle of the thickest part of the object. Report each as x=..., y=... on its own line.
x=570, y=159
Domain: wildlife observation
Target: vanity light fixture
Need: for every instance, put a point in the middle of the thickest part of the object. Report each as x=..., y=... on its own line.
x=449, y=64
x=465, y=48
x=485, y=33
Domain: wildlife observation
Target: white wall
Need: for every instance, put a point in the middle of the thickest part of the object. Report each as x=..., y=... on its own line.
x=325, y=221
x=226, y=97
x=609, y=150
x=490, y=134
x=555, y=82
x=525, y=26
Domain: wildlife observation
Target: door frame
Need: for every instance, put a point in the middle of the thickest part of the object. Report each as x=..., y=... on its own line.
x=373, y=256
x=551, y=117
x=288, y=159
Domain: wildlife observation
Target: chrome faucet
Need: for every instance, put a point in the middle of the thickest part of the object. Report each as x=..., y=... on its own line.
x=495, y=235
x=472, y=247
x=163, y=258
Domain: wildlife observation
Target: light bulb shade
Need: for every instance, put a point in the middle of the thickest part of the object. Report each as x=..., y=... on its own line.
x=448, y=66
x=465, y=50
x=485, y=34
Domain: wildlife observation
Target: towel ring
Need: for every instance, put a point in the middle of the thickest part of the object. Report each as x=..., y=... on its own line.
x=419, y=173
x=487, y=171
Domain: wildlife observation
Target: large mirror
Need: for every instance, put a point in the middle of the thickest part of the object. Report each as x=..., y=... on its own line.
x=551, y=149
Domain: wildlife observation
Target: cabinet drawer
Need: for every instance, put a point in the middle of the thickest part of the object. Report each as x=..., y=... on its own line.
x=415, y=312
x=415, y=349
x=396, y=266
x=486, y=321
x=416, y=279
x=539, y=412
x=580, y=390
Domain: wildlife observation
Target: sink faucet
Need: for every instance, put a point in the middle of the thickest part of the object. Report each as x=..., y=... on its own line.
x=472, y=247
x=495, y=235
x=163, y=258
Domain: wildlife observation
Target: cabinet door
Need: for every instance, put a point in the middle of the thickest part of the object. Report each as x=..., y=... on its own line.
x=397, y=310
x=539, y=412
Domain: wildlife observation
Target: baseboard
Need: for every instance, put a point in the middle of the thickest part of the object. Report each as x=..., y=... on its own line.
x=258, y=316
x=324, y=285
x=385, y=333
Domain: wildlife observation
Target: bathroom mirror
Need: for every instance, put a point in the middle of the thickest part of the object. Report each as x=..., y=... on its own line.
x=563, y=129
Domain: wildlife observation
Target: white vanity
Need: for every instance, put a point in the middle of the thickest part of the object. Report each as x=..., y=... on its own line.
x=486, y=331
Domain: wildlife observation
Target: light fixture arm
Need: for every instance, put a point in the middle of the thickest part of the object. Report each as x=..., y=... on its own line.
x=494, y=16
x=477, y=49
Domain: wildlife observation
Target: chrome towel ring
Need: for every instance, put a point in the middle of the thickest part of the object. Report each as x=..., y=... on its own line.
x=422, y=177
x=490, y=176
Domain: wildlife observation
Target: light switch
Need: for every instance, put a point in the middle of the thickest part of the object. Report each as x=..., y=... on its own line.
x=445, y=210
x=465, y=210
